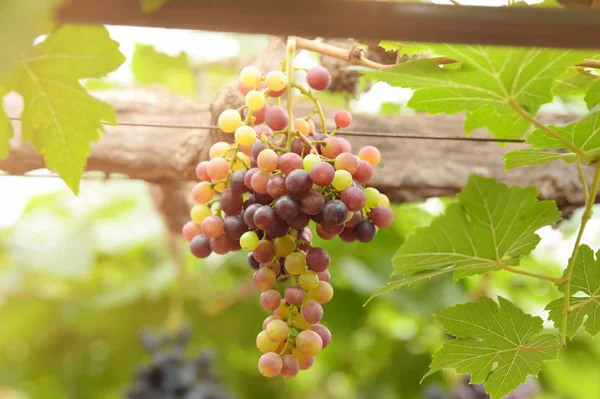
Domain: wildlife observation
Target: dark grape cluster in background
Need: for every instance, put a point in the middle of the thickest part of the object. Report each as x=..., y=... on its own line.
x=170, y=375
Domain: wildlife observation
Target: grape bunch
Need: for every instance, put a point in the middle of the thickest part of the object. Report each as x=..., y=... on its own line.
x=171, y=375
x=260, y=194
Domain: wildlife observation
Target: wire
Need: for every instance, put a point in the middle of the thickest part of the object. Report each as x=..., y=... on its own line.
x=340, y=133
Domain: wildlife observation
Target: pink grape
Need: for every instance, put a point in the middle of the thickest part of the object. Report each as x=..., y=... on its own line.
x=264, y=279
x=370, y=154
x=325, y=276
x=312, y=311
x=221, y=245
x=259, y=181
x=217, y=168
x=346, y=161
x=312, y=203
x=201, y=171
x=356, y=218
x=318, y=78
x=213, y=227
x=270, y=364
x=347, y=235
x=289, y=161
x=323, y=234
x=191, y=230
x=342, y=118
x=322, y=173
x=364, y=172
x=264, y=252
x=248, y=177
x=276, y=186
x=290, y=366
x=317, y=259
x=332, y=147
x=263, y=129
x=294, y=295
x=267, y=160
x=354, y=198
x=309, y=343
x=381, y=216
x=270, y=300
x=241, y=88
x=260, y=115
x=277, y=118
x=323, y=332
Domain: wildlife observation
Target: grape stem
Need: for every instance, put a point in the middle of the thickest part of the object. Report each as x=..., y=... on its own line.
x=289, y=67
x=236, y=147
x=318, y=107
x=306, y=141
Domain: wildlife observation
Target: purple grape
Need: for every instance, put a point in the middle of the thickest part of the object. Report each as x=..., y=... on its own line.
x=322, y=173
x=257, y=147
x=334, y=230
x=298, y=182
x=277, y=118
x=317, y=259
x=365, y=231
x=354, y=198
x=249, y=215
x=312, y=203
x=276, y=186
x=236, y=182
x=263, y=199
x=264, y=252
x=286, y=207
x=356, y=218
x=299, y=222
x=279, y=230
x=334, y=213
x=382, y=216
x=221, y=245
x=265, y=218
x=235, y=227
x=200, y=246
x=253, y=262
x=231, y=203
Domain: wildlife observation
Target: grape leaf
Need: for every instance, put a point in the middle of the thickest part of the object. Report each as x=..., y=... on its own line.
x=576, y=82
x=516, y=158
x=490, y=223
x=584, y=134
x=490, y=83
x=585, y=279
x=408, y=280
x=152, y=5
x=495, y=343
x=20, y=22
x=593, y=94
x=150, y=66
x=60, y=118
x=408, y=48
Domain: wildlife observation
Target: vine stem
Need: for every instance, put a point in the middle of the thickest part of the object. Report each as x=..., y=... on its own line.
x=315, y=101
x=524, y=273
x=587, y=214
x=289, y=64
x=586, y=190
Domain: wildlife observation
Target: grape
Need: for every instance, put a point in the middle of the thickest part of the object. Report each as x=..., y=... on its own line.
x=241, y=88
x=218, y=168
x=276, y=81
x=311, y=311
x=234, y=227
x=381, y=216
x=255, y=100
x=332, y=147
x=263, y=130
x=299, y=321
x=270, y=300
x=201, y=171
x=218, y=149
x=299, y=147
x=289, y=161
x=290, y=366
x=295, y=263
x=212, y=226
x=324, y=276
x=249, y=241
x=312, y=203
x=277, y=330
x=300, y=221
x=347, y=235
x=364, y=172
x=309, y=343
x=322, y=293
x=263, y=199
x=260, y=116
x=267, y=160
x=342, y=180
x=384, y=200
x=334, y=213
x=276, y=186
x=286, y=207
x=249, y=215
x=323, y=332
x=236, y=182
x=277, y=118
x=191, y=230
x=324, y=234
x=356, y=218
x=282, y=311
x=301, y=126
x=318, y=218
x=372, y=197
x=271, y=318
x=279, y=230
x=253, y=262
x=317, y=259
x=342, y=119
x=264, y=279
x=250, y=76
x=231, y=203
x=257, y=147
x=248, y=177
x=305, y=362
x=284, y=245
x=294, y=295
x=265, y=218
x=229, y=120
x=370, y=154
x=354, y=198
x=259, y=181
x=298, y=182
x=334, y=230
x=309, y=161
x=322, y=173
x=270, y=364
x=308, y=280
x=275, y=266
x=318, y=78
x=242, y=162
x=346, y=161
x=264, y=252
x=245, y=135
x=264, y=344
x=200, y=246
x=221, y=245
x=365, y=231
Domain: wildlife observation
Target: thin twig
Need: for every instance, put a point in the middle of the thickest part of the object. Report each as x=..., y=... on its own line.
x=534, y=275
x=584, y=183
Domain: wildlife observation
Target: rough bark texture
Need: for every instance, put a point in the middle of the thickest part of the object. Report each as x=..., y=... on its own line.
x=411, y=169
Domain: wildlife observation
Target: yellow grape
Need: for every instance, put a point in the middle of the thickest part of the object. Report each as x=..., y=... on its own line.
x=342, y=180
x=308, y=280
x=242, y=162
x=276, y=80
x=250, y=76
x=249, y=241
x=282, y=310
x=264, y=344
x=200, y=212
x=277, y=330
x=295, y=263
x=309, y=161
x=255, y=100
x=229, y=120
x=218, y=149
x=302, y=126
x=383, y=200
x=373, y=197
x=245, y=135
x=219, y=187
x=300, y=322
x=323, y=293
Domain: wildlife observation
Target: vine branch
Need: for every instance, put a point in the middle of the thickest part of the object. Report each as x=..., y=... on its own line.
x=525, y=273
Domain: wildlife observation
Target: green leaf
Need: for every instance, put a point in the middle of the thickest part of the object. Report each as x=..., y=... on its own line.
x=593, y=95
x=584, y=134
x=490, y=223
x=496, y=344
x=489, y=83
x=585, y=279
x=6, y=131
x=150, y=66
x=516, y=158
x=20, y=22
x=152, y=5
x=405, y=281
x=60, y=118
x=408, y=48
x=576, y=82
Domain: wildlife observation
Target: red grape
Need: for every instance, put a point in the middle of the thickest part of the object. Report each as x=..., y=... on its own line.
x=342, y=118
x=318, y=78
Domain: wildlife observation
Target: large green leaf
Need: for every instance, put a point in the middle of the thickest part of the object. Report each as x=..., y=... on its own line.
x=585, y=310
x=150, y=66
x=408, y=48
x=516, y=158
x=491, y=223
x=576, y=82
x=20, y=22
x=489, y=83
x=60, y=118
x=496, y=344
x=593, y=94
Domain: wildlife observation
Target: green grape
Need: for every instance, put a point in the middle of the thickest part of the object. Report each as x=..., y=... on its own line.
x=264, y=344
x=284, y=245
x=255, y=100
x=249, y=241
x=309, y=161
x=200, y=212
x=308, y=280
x=229, y=120
x=277, y=330
x=295, y=263
x=384, y=200
x=373, y=197
x=245, y=135
x=342, y=180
